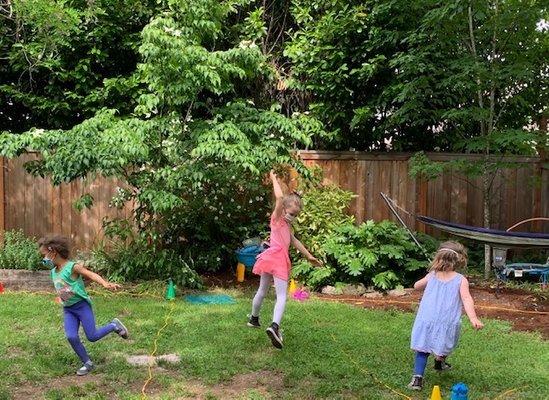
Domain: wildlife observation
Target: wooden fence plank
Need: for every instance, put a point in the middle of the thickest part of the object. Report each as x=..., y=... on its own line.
x=361, y=185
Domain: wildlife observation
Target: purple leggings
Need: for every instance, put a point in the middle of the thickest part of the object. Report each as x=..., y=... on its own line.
x=82, y=313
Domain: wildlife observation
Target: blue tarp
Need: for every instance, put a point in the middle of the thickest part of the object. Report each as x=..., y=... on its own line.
x=208, y=298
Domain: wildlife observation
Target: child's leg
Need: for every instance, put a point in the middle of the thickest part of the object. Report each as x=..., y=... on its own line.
x=85, y=313
x=72, y=323
x=264, y=283
x=281, y=287
x=441, y=364
x=420, y=363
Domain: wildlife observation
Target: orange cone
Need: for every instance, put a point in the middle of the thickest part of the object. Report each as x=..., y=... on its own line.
x=240, y=269
x=1, y=287
x=292, y=287
x=435, y=395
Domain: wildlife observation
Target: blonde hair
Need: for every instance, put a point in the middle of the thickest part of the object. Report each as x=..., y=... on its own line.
x=292, y=199
x=450, y=256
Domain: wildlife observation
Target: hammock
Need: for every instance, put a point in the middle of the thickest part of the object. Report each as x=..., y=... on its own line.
x=490, y=236
x=498, y=238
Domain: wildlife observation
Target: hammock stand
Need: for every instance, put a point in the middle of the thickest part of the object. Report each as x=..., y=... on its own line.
x=499, y=240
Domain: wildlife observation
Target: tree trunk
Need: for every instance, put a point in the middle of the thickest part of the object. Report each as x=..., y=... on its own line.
x=487, y=220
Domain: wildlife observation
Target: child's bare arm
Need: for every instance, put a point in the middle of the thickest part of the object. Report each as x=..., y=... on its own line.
x=86, y=273
x=303, y=250
x=279, y=196
x=469, y=304
x=420, y=285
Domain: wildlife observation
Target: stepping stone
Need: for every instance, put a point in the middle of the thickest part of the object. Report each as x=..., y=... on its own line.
x=144, y=361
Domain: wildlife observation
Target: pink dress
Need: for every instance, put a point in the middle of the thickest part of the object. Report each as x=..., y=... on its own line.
x=276, y=259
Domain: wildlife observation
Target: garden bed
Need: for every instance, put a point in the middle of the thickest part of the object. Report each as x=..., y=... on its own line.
x=521, y=308
x=21, y=279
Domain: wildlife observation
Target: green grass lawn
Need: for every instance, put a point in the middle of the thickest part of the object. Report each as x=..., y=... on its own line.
x=222, y=358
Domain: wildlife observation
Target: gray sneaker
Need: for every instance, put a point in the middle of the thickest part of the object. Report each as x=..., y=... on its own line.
x=86, y=369
x=120, y=328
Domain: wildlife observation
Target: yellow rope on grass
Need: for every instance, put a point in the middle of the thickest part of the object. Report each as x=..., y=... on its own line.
x=155, y=348
x=501, y=396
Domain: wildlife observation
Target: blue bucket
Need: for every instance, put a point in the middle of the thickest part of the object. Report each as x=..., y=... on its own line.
x=247, y=255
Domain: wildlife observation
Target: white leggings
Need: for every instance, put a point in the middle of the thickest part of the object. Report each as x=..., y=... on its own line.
x=281, y=287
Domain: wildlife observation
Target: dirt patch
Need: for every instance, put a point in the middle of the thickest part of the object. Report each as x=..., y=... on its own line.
x=522, y=309
x=36, y=392
x=227, y=280
x=144, y=360
x=268, y=384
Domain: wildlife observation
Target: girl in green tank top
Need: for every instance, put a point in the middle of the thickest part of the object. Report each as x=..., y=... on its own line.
x=67, y=277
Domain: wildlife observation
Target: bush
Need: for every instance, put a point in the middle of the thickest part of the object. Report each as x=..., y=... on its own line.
x=140, y=261
x=324, y=208
x=19, y=252
x=379, y=254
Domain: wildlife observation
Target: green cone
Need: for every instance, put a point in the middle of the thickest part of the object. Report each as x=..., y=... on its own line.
x=170, y=291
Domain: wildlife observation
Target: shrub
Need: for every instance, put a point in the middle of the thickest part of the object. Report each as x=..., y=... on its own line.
x=379, y=254
x=19, y=252
x=324, y=208
x=140, y=261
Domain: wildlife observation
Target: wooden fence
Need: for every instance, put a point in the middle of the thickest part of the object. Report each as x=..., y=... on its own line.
x=36, y=207
x=519, y=193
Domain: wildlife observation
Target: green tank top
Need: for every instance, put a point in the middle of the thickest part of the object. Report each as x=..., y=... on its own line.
x=70, y=291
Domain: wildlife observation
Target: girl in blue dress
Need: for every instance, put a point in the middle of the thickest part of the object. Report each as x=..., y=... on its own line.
x=438, y=320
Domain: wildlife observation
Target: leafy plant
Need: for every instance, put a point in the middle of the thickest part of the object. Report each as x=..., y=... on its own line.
x=19, y=252
x=140, y=261
x=381, y=254
x=324, y=208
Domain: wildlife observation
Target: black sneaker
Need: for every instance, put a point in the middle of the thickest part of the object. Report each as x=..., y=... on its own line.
x=253, y=322
x=442, y=365
x=416, y=383
x=275, y=336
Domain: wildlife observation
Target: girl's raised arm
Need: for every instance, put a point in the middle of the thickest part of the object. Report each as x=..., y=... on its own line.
x=279, y=196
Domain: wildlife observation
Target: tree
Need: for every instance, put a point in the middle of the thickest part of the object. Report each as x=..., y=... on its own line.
x=344, y=56
x=487, y=63
x=61, y=61
x=193, y=151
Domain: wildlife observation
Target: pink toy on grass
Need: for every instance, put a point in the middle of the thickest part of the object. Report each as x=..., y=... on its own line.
x=301, y=295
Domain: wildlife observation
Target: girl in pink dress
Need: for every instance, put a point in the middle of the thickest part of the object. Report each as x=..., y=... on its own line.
x=274, y=263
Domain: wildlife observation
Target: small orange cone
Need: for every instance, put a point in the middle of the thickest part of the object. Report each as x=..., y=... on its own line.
x=435, y=395
x=240, y=269
x=1, y=287
x=293, y=287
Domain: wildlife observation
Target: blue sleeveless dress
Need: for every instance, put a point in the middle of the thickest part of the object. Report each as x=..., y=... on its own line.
x=438, y=321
